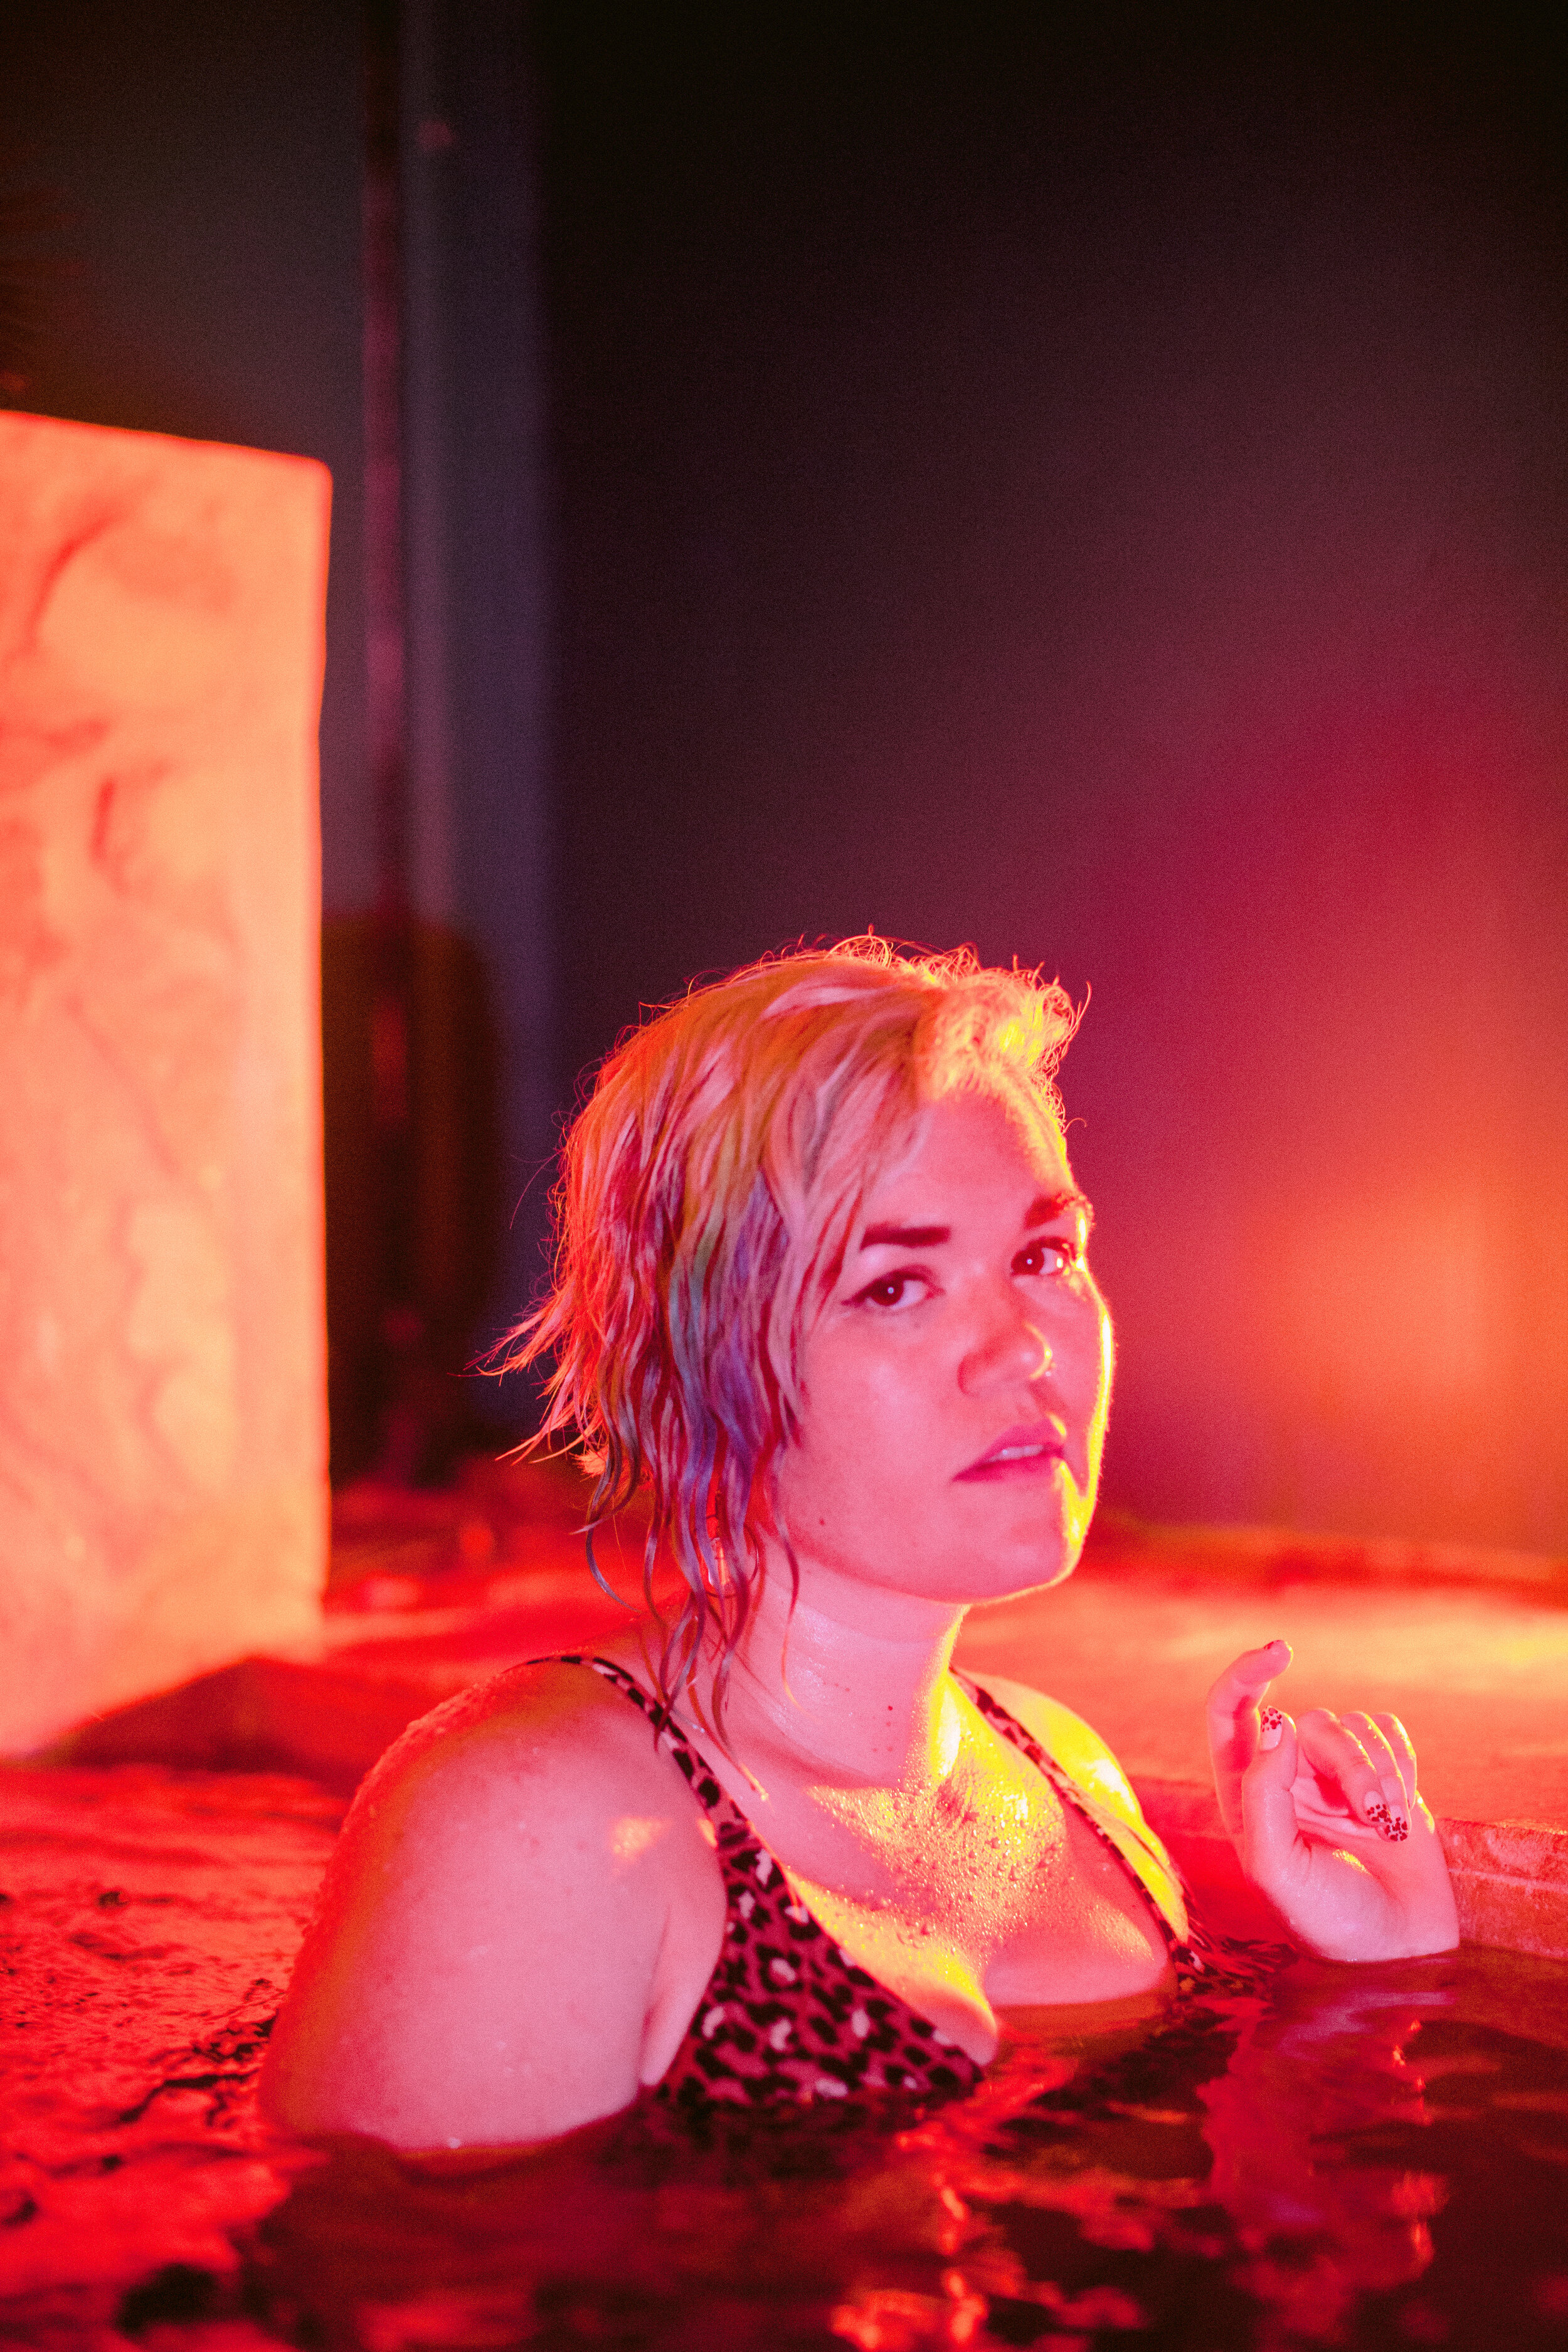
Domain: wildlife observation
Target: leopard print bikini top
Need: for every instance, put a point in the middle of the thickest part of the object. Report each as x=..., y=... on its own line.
x=787, y=2015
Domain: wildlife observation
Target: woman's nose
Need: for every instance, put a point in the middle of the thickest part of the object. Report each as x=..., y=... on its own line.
x=1014, y=1348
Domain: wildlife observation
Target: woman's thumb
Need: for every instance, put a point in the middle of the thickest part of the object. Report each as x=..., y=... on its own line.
x=1270, y=1839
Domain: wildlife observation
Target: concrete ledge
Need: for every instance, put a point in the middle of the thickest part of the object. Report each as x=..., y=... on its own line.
x=264, y=1715
x=1276, y=1555
x=1511, y=1882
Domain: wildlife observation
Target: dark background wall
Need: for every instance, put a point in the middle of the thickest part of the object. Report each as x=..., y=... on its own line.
x=1091, y=482
x=1086, y=482
x=202, y=164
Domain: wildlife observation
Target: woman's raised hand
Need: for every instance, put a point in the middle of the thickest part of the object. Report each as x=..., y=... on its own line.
x=1328, y=1821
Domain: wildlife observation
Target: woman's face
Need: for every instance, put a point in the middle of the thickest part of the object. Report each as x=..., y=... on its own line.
x=957, y=1381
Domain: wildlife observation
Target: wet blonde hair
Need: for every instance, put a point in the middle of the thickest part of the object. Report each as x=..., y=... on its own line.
x=710, y=1188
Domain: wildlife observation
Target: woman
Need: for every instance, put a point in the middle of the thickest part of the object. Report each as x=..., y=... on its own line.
x=822, y=1292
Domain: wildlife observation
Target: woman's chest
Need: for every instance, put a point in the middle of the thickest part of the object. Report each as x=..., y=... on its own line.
x=1020, y=1904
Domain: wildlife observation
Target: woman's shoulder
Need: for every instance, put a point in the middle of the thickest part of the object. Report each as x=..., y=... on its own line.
x=547, y=1757
x=534, y=1772
x=554, y=1720
x=517, y=1856
x=1069, y=1741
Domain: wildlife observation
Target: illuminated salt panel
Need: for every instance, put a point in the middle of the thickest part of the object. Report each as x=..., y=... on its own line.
x=162, y=1433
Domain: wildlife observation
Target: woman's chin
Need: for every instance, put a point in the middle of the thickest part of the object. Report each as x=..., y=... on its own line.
x=1008, y=1574
x=1041, y=1547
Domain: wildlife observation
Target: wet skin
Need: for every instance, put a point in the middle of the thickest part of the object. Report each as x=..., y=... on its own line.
x=524, y=1912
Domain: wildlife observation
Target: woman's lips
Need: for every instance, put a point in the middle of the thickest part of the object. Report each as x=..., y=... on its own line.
x=1028, y=1450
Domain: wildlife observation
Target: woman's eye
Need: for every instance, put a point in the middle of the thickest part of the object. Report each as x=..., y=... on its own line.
x=1045, y=1257
x=890, y=1290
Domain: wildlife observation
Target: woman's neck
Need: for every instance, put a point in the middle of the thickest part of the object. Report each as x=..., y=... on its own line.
x=850, y=1687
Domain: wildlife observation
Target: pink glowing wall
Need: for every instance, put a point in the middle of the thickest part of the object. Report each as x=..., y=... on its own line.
x=161, y=1400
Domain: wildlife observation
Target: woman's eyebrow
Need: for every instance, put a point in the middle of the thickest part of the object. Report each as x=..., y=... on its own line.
x=1051, y=1205
x=1042, y=1210
x=905, y=1236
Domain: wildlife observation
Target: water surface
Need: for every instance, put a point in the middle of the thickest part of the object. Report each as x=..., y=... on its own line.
x=1368, y=2158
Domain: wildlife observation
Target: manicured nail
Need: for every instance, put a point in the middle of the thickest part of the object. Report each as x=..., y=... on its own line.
x=1399, y=1826
x=1272, y=1726
x=1374, y=1808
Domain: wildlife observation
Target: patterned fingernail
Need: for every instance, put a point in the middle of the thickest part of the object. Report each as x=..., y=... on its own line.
x=1374, y=1807
x=1395, y=1830
x=1272, y=1726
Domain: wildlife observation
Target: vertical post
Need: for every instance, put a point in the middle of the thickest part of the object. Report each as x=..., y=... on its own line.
x=439, y=1014
x=400, y=1325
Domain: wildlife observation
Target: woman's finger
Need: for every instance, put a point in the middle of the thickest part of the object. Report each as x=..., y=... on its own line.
x=1403, y=1749
x=1273, y=1851
x=1232, y=1721
x=1386, y=1764
x=1245, y=1678
x=1331, y=1750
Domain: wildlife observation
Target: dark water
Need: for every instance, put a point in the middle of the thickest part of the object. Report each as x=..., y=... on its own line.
x=1366, y=2158
x=1373, y=2157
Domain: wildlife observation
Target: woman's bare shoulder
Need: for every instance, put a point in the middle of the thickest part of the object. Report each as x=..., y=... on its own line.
x=538, y=1770
x=550, y=1721
x=514, y=1859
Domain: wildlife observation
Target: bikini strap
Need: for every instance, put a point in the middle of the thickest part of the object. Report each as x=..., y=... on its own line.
x=698, y=1770
x=1110, y=1828
x=699, y=1773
